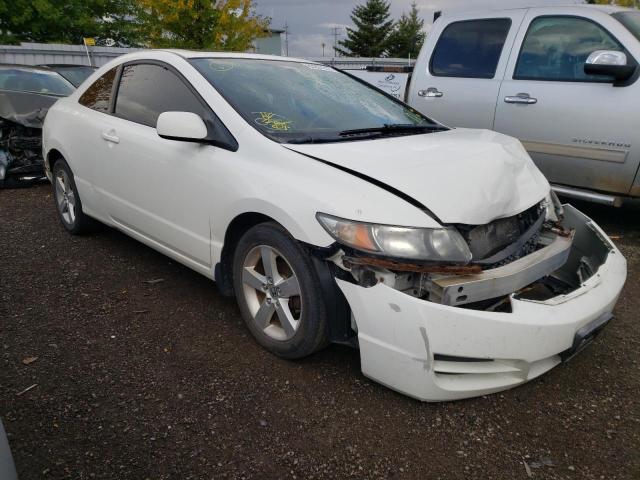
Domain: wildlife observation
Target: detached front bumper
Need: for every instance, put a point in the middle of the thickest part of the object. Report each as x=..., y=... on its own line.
x=436, y=352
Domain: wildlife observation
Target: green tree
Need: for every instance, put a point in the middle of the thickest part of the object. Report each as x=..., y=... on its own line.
x=68, y=21
x=238, y=25
x=620, y=3
x=407, y=36
x=201, y=24
x=178, y=23
x=369, y=38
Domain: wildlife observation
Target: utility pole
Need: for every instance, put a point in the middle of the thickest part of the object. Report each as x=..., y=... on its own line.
x=286, y=38
x=323, y=45
x=336, y=33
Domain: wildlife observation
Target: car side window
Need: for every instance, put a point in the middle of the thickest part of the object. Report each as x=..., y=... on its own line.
x=470, y=48
x=147, y=90
x=556, y=49
x=98, y=95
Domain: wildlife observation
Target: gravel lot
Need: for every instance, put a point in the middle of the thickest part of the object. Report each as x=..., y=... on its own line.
x=139, y=378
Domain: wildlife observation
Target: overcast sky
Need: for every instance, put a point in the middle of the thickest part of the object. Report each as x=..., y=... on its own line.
x=310, y=21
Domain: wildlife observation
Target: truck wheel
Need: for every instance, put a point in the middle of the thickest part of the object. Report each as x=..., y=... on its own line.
x=279, y=293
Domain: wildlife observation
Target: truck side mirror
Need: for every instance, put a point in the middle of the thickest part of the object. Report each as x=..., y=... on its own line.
x=610, y=63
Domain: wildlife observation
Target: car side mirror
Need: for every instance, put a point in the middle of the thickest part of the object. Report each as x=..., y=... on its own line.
x=182, y=126
x=610, y=63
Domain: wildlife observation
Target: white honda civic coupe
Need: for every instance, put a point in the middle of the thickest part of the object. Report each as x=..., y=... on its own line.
x=337, y=214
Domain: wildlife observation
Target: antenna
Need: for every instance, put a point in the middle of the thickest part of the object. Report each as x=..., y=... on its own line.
x=286, y=38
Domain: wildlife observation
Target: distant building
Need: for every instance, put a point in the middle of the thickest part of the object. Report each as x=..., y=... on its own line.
x=270, y=44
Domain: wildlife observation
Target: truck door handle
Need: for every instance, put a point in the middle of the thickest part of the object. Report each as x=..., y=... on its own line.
x=521, y=98
x=430, y=92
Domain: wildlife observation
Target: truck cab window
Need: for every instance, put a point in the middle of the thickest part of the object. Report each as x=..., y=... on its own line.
x=556, y=49
x=631, y=20
x=470, y=49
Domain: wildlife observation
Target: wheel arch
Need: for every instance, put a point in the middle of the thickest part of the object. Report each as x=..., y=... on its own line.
x=235, y=230
x=247, y=213
x=53, y=155
x=339, y=313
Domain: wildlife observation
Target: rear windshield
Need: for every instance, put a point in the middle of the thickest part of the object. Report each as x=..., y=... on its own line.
x=75, y=75
x=631, y=20
x=36, y=81
x=290, y=101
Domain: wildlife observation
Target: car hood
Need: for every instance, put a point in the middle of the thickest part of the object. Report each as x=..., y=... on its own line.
x=25, y=108
x=461, y=175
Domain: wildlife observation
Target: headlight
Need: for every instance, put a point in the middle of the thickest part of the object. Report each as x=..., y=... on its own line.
x=429, y=244
x=554, y=211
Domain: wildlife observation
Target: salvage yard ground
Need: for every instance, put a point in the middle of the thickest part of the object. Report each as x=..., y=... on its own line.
x=138, y=368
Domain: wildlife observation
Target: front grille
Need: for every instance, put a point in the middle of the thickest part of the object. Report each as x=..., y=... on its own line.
x=490, y=243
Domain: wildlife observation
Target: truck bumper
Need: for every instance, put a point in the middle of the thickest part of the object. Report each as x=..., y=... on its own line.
x=435, y=352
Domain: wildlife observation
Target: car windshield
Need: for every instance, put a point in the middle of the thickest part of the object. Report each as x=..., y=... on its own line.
x=75, y=75
x=37, y=81
x=307, y=102
x=631, y=20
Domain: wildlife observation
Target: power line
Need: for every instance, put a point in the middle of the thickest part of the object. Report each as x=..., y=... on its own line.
x=336, y=33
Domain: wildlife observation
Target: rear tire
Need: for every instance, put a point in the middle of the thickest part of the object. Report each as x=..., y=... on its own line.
x=278, y=292
x=67, y=200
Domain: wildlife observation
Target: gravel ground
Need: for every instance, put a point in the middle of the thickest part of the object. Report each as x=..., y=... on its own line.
x=137, y=378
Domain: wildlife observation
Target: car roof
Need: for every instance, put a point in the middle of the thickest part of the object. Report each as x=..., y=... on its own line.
x=64, y=65
x=254, y=56
x=38, y=68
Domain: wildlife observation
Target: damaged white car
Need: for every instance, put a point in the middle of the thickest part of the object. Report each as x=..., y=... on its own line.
x=336, y=213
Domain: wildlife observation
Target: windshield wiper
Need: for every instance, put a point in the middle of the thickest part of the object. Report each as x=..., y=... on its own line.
x=372, y=132
x=399, y=128
x=310, y=139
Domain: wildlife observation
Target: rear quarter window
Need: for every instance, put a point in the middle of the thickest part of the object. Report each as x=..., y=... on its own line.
x=98, y=95
x=470, y=48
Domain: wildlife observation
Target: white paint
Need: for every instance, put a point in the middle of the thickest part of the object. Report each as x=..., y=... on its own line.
x=462, y=176
x=181, y=125
x=180, y=197
x=526, y=342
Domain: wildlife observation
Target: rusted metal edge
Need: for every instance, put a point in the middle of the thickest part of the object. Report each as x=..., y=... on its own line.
x=558, y=229
x=411, y=267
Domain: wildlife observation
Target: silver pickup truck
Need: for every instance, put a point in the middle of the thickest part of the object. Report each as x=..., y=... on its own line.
x=564, y=80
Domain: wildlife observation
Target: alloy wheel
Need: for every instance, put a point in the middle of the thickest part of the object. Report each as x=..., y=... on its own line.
x=65, y=197
x=272, y=292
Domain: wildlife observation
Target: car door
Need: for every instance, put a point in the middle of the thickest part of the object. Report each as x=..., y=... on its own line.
x=579, y=129
x=458, y=82
x=158, y=190
x=87, y=123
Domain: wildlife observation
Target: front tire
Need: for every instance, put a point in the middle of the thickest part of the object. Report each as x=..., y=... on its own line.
x=68, y=204
x=278, y=292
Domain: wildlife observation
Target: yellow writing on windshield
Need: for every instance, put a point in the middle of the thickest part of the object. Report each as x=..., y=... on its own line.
x=273, y=121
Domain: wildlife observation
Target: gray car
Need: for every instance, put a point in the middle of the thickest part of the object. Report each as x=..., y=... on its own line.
x=7, y=468
x=564, y=80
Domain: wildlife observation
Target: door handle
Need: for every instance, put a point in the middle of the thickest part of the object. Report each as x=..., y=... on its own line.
x=431, y=93
x=111, y=137
x=522, y=99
